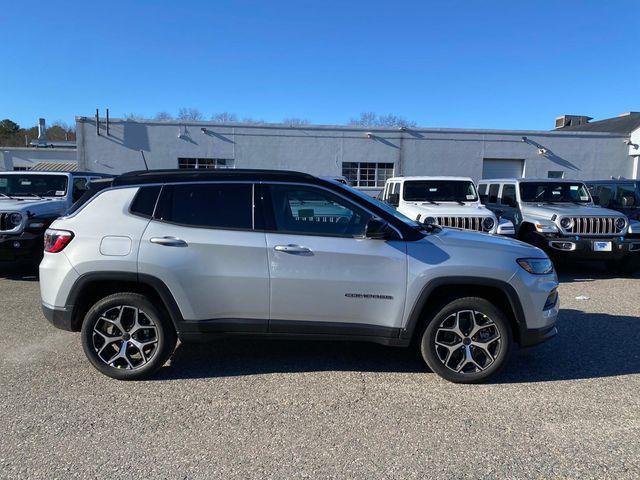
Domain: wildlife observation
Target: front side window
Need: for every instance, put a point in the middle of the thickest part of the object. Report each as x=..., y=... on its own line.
x=627, y=195
x=439, y=191
x=367, y=174
x=211, y=205
x=314, y=211
x=508, y=195
x=561, y=192
x=33, y=185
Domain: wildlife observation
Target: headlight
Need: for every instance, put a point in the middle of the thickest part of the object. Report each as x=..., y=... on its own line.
x=620, y=223
x=536, y=266
x=566, y=223
x=15, y=219
x=546, y=227
x=430, y=221
x=488, y=223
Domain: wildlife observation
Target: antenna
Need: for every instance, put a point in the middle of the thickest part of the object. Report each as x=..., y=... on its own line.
x=146, y=167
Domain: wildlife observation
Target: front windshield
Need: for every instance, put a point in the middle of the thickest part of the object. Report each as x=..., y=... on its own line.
x=554, y=192
x=439, y=191
x=380, y=204
x=33, y=186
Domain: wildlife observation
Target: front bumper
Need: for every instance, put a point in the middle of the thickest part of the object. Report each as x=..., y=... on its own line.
x=581, y=247
x=24, y=246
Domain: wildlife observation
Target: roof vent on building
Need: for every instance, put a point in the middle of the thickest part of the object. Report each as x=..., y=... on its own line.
x=571, y=120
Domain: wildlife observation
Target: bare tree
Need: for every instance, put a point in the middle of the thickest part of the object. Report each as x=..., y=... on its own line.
x=295, y=121
x=224, y=117
x=371, y=119
x=134, y=117
x=253, y=121
x=190, y=114
x=163, y=116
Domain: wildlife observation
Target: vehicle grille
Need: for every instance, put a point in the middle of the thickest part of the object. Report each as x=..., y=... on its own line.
x=594, y=226
x=466, y=223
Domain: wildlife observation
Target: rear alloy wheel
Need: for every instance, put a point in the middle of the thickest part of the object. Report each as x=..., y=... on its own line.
x=467, y=341
x=126, y=337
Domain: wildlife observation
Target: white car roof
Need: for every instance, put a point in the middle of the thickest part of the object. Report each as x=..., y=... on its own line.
x=450, y=178
x=518, y=180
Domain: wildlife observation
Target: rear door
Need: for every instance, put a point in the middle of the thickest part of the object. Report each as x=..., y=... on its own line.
x=202, y=244
x=325, y=276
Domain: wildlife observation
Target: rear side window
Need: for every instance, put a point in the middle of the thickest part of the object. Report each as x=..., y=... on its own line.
x=482, y=192
x=493, y=193
x=212, y=205
x=145, y=201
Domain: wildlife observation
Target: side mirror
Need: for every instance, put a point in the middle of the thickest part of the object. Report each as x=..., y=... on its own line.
x=393, y=199
x=377, y=229
x=505, y=227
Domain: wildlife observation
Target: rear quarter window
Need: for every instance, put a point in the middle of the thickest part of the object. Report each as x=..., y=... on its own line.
x=145, y=201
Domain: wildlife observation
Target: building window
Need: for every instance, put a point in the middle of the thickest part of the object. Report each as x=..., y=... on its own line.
x=366, y=174
x=555, y=174
x=205, y=163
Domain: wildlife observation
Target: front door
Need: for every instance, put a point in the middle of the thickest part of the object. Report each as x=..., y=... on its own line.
x=325, y=276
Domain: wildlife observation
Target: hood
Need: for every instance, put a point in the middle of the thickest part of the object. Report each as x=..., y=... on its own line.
x=450, y=209
x=545, y=210
x=476, y=240
x=34, y=206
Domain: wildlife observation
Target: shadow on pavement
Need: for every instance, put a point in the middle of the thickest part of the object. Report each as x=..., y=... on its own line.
x=20, y=273
x=588, y=346
x=588, y=271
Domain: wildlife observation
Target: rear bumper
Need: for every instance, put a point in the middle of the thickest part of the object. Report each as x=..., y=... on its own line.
x=58, y=317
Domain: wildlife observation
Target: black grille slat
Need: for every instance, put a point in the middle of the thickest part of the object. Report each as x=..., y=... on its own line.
x=464, y=223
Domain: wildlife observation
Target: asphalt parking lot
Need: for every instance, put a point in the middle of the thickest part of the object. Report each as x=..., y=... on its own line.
x=244, y=409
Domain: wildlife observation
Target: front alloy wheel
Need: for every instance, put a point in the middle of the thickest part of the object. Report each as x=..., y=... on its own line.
x=467, y=340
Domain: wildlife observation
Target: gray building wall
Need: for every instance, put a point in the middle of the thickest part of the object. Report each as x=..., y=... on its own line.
x=320, y=150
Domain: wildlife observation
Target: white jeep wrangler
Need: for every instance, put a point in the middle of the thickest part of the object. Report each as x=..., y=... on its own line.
x=444, y=201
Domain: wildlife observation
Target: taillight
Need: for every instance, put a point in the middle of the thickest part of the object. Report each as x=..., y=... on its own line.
x=56, y=240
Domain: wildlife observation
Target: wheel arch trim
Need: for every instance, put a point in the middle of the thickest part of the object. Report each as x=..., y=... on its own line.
x=149, y=281
x=421, y=302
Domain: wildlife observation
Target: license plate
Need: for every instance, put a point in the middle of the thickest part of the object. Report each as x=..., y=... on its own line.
x=601, y=246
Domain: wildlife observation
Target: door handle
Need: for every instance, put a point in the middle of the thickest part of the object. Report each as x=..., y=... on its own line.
x=293, y=249
x=169, y=241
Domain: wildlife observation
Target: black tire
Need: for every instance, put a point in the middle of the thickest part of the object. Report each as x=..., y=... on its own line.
x=494, y=321
x=160, y=339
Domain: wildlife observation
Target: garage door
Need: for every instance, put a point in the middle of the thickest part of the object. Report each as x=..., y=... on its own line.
x=502, y=168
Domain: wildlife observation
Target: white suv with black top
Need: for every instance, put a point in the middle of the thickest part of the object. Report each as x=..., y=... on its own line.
x=559, y=216
x=163, y=255
x=444, y=201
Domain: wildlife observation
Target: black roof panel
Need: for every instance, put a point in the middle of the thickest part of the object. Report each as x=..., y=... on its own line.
x=179, y=175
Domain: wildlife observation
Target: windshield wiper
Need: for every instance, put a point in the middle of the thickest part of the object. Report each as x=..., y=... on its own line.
x=31, y=195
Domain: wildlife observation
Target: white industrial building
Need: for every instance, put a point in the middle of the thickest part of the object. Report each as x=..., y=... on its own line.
x=577, y=148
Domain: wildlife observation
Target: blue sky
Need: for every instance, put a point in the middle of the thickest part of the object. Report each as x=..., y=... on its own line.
x=489, y=64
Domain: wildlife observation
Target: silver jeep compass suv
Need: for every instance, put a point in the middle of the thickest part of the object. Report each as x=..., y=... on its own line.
x=163, y=255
